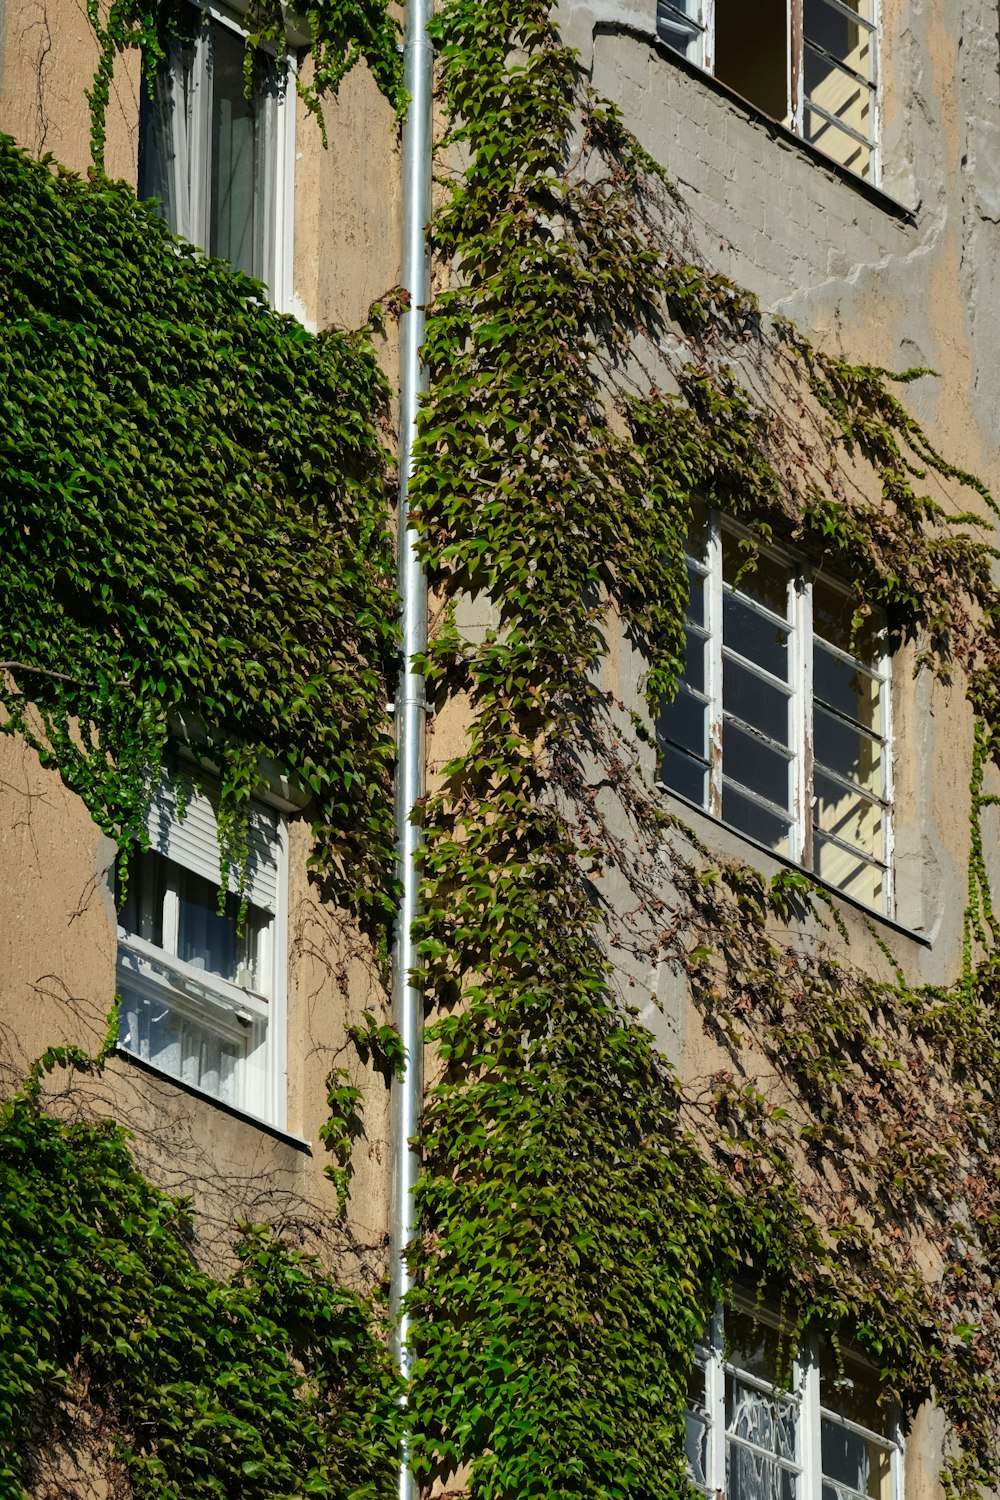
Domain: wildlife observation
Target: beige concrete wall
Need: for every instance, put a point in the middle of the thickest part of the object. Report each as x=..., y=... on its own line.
x=57, y=983
x=347, y=195
x=48, y=53
x=347, y=206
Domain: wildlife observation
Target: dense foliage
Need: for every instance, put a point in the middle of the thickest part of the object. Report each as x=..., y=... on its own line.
x=584, y=1208
x=117, y=1345
x=193, y=523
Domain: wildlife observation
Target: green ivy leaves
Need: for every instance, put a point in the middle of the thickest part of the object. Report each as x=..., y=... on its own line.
x=591, y=383
x=193, y=523
x=269, y=1383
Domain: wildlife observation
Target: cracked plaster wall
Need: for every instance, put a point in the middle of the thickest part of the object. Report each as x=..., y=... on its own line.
x=901, y=278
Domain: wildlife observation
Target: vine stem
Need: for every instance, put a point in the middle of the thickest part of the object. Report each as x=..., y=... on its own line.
x=23, y=666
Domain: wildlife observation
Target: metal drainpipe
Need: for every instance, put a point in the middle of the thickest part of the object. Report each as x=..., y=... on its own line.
x=407, y=995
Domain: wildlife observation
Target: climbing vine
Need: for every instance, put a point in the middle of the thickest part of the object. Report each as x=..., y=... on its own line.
x=583, y=1207
x=271, y=1382
x=196, y=561
x=340, y=33
x=193, y=525
x=178, y=554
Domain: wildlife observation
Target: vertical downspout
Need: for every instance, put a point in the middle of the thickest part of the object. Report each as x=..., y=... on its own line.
x=407, y=994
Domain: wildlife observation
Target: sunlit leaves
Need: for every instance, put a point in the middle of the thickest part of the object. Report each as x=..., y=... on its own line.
x=193, y=521
x=269, y=1382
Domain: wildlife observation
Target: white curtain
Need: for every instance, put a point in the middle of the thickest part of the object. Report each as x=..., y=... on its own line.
x=166, y=140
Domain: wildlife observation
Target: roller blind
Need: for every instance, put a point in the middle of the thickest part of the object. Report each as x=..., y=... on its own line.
x=193, y=841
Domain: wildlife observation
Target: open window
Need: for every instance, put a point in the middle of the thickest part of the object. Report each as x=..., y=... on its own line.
x=217, y=159
x=812, y=64
x=202, y=986
x=780, y=724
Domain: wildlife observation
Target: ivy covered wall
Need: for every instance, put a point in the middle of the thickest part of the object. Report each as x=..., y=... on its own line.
x=831, y=1132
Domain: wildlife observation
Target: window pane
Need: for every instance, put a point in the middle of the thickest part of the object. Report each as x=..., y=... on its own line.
x=164, y=133
x=851, y=1388
x=847, y=687
x=861, y=1463
x=762, y=578
x=763, y=1419
x=696, y=596
x=848, y=752
x=684, y=722
x=845, y=39
x=211, y=942
x=837, y=91
x=752, y=1343
x=880, y=1477
x=697, y=1426
x=237, y=141
x=678, y=24
x=751, y=1477
x=836, y=143
x=759, y=639
x=173, y=1042
x=754, y=700
x=833, y=619
x=682, y=726
x=684, y=775
x=755, y=765
x=755, y=820
x=140, y=912
x=850, y=873
x=696, y=1432
x=852, y=818
x=694, y=659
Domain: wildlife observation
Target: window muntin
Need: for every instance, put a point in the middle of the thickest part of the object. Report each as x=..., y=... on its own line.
x=202, y=996
x=217, y=161
x=810, y=63
x=178, y=911
x=755, y=1431
x=780, y=722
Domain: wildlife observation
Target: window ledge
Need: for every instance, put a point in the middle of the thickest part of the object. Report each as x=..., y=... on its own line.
x=876, y=195
x=878, y=917
x=284, y=1137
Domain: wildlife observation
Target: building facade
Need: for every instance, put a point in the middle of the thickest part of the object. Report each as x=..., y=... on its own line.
x=837, y=159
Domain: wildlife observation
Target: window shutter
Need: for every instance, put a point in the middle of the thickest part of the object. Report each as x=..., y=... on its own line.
x=194, y=841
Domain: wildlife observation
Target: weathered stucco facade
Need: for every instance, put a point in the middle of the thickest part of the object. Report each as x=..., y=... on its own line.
x=900, y=275
x=59, y=930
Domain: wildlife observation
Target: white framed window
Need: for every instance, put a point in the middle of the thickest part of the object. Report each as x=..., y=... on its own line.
x=202, y=993
x=812, y=64
x=221, y=163
x=821, y=1432
x=780, y=726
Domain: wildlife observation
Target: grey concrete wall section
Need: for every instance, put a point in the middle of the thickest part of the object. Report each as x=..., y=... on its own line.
x=801, y=234
x=870, y=279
